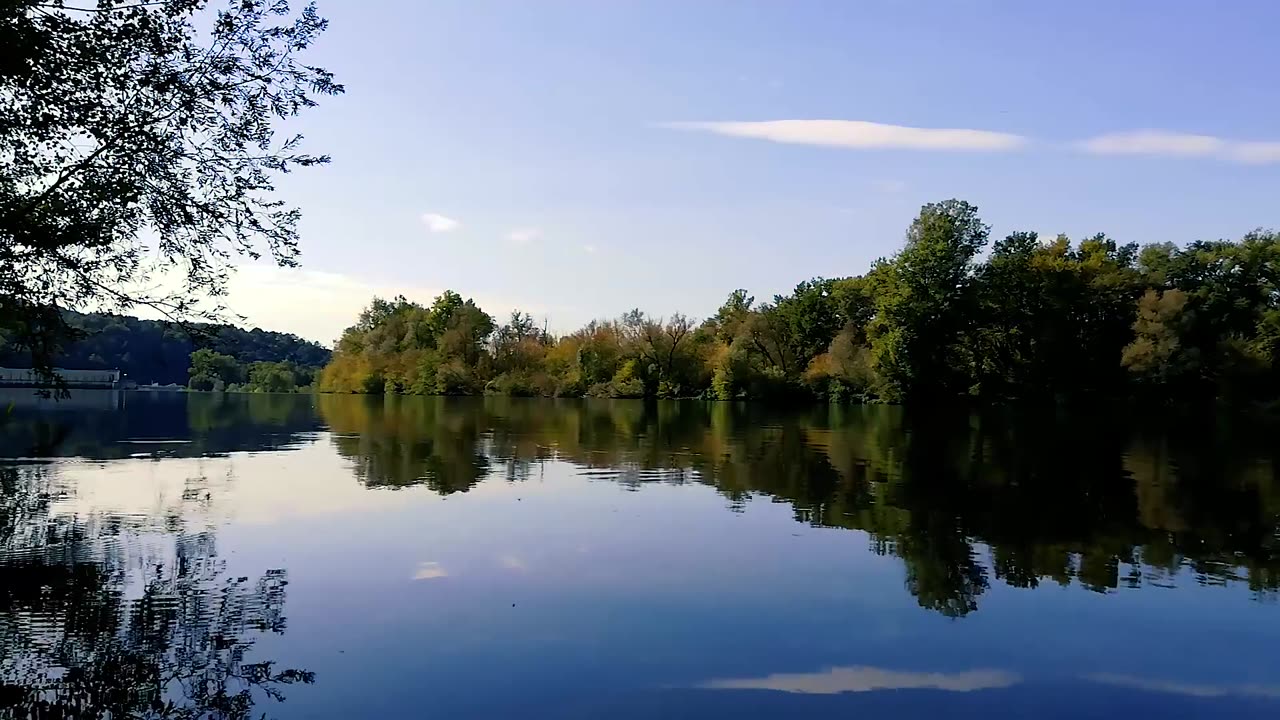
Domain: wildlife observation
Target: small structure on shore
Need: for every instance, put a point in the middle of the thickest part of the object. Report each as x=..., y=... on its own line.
x=74, y=379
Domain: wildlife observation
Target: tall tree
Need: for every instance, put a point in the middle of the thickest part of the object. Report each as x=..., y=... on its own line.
x=923, y=299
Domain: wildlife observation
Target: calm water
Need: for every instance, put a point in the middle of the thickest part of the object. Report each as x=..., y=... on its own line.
x=494, y=558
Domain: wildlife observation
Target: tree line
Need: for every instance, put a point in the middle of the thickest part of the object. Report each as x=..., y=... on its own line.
x=201, y=355
x=1033, y=318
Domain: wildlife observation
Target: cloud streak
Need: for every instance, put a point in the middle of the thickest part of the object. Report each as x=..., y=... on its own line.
x=437, y=223
x=1166, y=143
x=867, y=679
x=866, y=135
x=860, y=135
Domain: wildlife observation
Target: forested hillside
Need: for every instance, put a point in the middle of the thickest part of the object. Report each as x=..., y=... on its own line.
x=152, y=351
x=1035, y=317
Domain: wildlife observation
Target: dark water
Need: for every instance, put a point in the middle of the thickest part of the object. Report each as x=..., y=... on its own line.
x=341, y=557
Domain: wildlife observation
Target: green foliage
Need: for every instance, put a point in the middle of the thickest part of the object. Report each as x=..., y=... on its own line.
x=924, y=304
x=1038, y=319
x=218, y=372
x=212, y=371
x=272, y=377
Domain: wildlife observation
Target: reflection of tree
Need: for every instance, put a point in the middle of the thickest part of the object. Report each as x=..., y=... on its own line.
x=963, y=500
x=125, y=616
x=206, y=423
x=396, y=441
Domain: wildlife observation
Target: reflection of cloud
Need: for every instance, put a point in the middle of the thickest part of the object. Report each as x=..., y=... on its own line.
x=1180, y=688
x=511, y=562
x=430, y=571
x=866, y=679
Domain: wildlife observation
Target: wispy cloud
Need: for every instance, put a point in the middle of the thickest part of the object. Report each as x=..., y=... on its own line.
x=1167, y=143
x=589, y=249
x=524, y=236
x=437, y=223
x=430, y=571
x=1255, y=153
x=860, y=135
x=866, y=679
x=1153, y=142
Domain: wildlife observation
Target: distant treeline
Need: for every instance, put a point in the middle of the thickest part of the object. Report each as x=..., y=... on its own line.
x=153, y=351
x=1036, y=318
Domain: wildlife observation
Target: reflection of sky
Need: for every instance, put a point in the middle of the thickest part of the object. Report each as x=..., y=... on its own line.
x=1184, y=688
x=867, y=679
x=561, y=590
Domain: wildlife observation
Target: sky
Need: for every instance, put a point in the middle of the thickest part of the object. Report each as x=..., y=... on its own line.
x=575, y=159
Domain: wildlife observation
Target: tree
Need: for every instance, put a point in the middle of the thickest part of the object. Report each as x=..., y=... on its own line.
x=923, y=301
x=272, y=377
x=139, y=145
x=212, y=371
x=1156, y=354
x=809, y=318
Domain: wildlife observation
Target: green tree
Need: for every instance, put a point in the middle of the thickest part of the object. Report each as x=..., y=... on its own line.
x=272, y=377
x=810, y=318
x=212, y=371
x=924, y=304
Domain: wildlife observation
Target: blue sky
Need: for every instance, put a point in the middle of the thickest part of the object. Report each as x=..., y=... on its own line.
x=565, y=157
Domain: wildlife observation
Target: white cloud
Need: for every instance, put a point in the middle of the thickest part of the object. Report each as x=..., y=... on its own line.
x=1175, y=144
x=861, y=135
x=866, y=679
x=320, y=305
x=589, y=249
x=524, y=236
x=430, y=571
x=439, y=223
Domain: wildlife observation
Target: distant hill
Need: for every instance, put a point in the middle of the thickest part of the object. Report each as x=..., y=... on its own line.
x=153, y=351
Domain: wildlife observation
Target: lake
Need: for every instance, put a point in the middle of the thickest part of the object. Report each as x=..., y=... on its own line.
x=337, y=557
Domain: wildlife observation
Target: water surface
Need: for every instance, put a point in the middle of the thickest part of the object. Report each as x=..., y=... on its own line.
x=338, y=557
